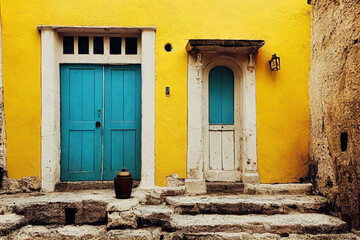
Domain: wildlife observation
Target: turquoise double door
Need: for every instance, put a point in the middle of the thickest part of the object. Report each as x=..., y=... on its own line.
x=100, y=121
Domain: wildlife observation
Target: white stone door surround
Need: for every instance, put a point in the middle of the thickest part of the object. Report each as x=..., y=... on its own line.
x=199, y=66
x=50, y=100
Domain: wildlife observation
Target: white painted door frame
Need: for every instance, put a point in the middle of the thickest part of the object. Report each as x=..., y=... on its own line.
x=50, y=101
x=243, y=67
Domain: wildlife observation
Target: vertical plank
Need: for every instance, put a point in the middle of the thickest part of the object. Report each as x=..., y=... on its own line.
x=122, y=116
x=98, y=133
x=81, y=141
x=215, y=96
x=75, y=146
x=227, y=96
x=215, y=150
x=88, y=151
x=88, y=95
x=117, y=95
x=65, y=111
x=130, y=150
x=228, y=154
x=117, y=150
x=76, y=93
x=129, y=95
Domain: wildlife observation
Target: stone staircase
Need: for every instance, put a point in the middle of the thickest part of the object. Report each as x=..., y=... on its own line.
x=255, y=212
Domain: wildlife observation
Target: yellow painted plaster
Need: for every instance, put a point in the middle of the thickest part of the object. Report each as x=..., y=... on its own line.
x=282, y=97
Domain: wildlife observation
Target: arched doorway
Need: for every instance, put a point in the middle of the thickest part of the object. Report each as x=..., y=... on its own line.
x=222, y=130
x=221, y=149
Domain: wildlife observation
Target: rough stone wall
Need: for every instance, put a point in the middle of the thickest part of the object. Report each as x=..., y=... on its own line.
x=334, y=89
x=2, y=133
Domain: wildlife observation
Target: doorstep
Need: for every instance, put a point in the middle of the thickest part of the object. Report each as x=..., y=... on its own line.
x=87, y=185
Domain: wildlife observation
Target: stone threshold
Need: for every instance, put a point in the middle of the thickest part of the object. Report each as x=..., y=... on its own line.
x=87, y=185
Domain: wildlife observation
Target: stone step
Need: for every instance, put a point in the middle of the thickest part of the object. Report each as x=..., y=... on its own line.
x=89, y=232
x=58, y=232
x=224, y=187
x=149, y=215
x=281, y=189
x=265, y=236
x=310, y=223
x=247, y=204
x=84, y=232
x=9, y=222
x=258, y=189
x=87, y=207
x=87, y=185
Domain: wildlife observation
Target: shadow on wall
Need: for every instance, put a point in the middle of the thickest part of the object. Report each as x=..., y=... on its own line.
x=1, y=176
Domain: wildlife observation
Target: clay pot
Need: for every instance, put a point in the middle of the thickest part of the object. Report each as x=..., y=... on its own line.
x=123, y=184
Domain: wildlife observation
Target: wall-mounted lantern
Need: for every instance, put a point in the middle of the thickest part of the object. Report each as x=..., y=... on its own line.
x=274, y=63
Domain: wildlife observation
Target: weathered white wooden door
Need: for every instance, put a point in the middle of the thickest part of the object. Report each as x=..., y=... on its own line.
x=222, y=154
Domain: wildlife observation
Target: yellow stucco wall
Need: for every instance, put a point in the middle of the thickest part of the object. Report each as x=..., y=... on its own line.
x=282, y=97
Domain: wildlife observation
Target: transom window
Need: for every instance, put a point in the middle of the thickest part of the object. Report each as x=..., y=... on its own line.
x=100, y=49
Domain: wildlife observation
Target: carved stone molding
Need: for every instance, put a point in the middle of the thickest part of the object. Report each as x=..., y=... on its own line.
x=198, y=67
x=251, y=62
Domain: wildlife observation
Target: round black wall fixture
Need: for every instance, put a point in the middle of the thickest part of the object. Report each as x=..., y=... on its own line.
x=168, y=47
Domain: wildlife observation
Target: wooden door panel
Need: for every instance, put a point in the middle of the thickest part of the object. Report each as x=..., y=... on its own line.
x=81, y=140
x=228, y=153
x=122, y=134
x=215, y=150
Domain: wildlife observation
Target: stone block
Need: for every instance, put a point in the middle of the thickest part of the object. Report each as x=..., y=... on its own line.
x=125, y=219
x=173, y=180
x=28, y=184
x=121, y=205
x=10, y=185
x=9, y=222
x=136, y=234
x=154, y=215
x=195, y=186
x=59, y=232
x=93, y=212
x=157, y=196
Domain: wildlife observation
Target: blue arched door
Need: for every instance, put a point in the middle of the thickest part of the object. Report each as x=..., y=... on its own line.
x=222, y=164
x=221, y=96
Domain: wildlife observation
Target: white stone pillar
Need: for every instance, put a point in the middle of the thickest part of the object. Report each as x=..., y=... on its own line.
x=148, y=109
x=195, y=145
x=50, y=110
x=249, y=164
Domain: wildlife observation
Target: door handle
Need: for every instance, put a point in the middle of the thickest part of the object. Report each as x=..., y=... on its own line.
x=97, y=124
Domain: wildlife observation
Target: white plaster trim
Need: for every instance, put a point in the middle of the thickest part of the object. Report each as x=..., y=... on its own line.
x=148, y=110
x=197, y=113
x=94, y=29
x=195, y=146
x=50, y=111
